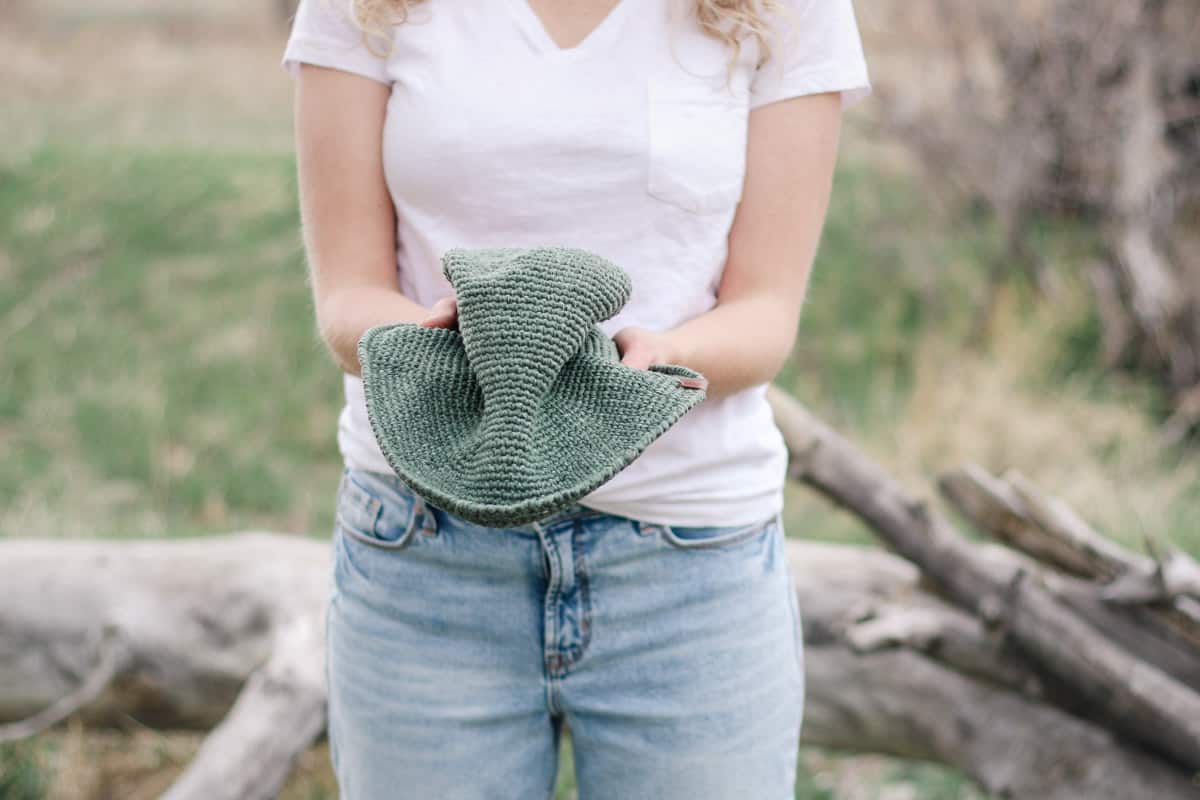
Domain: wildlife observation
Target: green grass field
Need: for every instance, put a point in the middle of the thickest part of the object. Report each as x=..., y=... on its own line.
x=162, y=376
x=160, y=373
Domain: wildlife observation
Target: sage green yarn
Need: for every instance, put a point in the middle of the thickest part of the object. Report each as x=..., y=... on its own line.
x=526, y=407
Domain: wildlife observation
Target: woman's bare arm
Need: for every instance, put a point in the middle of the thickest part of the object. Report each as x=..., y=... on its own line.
x=746, y=338
x=347, y=214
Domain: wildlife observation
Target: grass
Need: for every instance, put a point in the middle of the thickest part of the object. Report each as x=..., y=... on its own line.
x=22, y=775
x=885, y=355
x=162, y=376
x=161, y=373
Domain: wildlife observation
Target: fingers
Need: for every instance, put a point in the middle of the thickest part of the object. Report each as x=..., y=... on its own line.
x=636, y=350
x=637, y=357
x=443, y=314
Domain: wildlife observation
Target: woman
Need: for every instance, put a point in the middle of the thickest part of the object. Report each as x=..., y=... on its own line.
x=692, y=143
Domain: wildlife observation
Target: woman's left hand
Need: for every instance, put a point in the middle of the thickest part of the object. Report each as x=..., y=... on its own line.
x=639, y=347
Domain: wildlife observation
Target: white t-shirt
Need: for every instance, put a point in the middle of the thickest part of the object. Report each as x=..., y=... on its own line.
x=628, y=145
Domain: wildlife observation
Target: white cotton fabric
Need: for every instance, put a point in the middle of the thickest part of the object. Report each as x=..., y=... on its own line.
x=629, y=145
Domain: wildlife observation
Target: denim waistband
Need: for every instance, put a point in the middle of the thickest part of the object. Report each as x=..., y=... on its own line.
x=568, y=513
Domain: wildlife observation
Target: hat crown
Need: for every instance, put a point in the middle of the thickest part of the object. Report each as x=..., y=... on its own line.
x=526, y=407
x=523, y=314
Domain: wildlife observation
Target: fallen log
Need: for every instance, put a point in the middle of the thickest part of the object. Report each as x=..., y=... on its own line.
x=1146, y=604
x=1013, y=510
x=221, y=631
x=1135, y=698
x=1012, y=662
x=226, y=630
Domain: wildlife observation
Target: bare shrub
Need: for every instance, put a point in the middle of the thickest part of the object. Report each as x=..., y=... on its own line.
x=1083, y=107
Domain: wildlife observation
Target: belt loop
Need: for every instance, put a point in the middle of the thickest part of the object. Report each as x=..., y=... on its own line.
x=425, y=516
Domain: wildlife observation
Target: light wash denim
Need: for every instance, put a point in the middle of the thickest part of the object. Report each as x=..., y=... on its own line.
x=454, y=653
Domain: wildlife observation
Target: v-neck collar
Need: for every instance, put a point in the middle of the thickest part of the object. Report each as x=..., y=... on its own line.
x=535, y=30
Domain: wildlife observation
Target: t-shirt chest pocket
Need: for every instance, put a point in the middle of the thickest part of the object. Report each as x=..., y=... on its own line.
x=697, y=145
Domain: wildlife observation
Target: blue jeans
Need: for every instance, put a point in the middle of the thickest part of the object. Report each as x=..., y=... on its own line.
x=454, y=653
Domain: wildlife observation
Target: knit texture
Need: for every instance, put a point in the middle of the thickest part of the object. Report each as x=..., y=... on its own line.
x=526, y=407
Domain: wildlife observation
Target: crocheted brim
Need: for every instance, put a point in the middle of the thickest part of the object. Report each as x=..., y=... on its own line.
x=426, y=410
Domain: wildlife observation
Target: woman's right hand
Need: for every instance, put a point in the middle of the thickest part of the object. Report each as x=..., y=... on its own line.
x=442, y=314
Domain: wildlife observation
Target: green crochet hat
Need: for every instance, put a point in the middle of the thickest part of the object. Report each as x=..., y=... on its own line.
x=526, y=407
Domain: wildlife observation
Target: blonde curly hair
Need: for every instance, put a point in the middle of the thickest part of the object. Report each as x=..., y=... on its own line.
x=727, y=21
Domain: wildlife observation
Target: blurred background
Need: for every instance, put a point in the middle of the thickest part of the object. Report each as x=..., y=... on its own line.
x=1010, y=275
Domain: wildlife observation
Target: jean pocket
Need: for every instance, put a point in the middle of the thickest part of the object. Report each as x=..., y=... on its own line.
x=376, y=511
x=692, y=537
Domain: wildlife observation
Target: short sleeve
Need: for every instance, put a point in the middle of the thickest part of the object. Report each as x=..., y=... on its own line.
x=815, y=47
x=324, y=33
